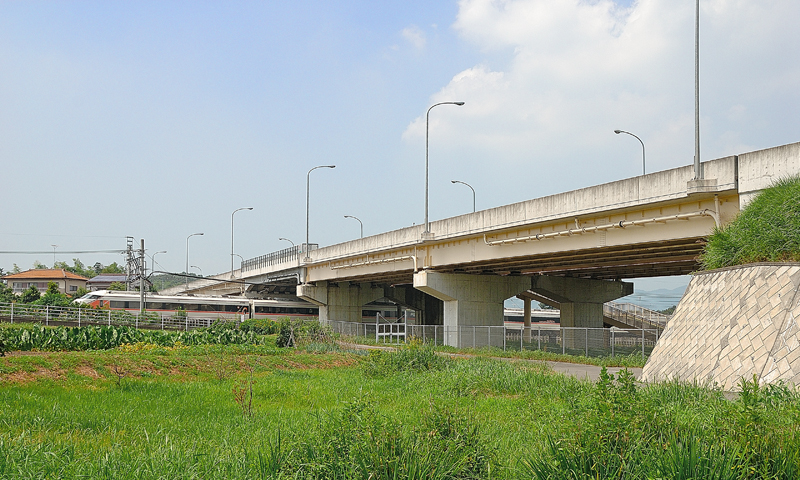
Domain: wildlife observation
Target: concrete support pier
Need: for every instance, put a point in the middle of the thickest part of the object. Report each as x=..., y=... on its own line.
x=340, y=301
x=470, y=300
x=581, y=302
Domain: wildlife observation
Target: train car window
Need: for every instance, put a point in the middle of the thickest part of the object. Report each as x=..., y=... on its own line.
x=116, y=304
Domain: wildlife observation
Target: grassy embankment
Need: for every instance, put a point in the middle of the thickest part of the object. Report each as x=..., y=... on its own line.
x=147, y=411
x=767, y=230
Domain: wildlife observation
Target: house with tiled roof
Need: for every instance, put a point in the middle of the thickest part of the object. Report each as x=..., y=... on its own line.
x=67, y=282
x=104, y=280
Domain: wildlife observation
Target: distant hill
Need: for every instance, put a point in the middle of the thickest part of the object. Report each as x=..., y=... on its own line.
x=163, y=281
x=659, y=299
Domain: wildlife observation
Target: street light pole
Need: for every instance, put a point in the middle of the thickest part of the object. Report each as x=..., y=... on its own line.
x=200, y=269
x=308, y=196
x=470, y=187
x=640, y=141
x=427, y=123
x=698, y=175
x=54, y=255
x=281, y=238
x=153, y=259
x=359, y=221
x=232, y=214
x=187, y=257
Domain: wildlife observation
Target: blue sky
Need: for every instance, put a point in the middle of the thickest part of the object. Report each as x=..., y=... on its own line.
x=158, y=119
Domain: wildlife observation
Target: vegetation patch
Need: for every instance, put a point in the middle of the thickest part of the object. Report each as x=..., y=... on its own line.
x=767, y=230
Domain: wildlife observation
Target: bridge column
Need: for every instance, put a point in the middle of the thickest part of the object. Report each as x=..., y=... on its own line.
x=471, y=301
x=581, y=303
x=526, y=317
x=341, y=301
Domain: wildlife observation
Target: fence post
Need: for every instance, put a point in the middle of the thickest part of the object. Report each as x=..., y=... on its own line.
x=47, y=315
x=613, y=341
x=489, y=335
x=186, y=328
x=521, y=333
x=109, y=317
x=539, y=336
x=79, y=317
x=587, y=342
x=136, y=322
x=12, y=312
x=563, y=344
x=162, y=321
x=642, y=341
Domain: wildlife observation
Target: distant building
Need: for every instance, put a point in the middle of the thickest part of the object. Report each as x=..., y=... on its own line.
x=67, y=282
x=104, y=280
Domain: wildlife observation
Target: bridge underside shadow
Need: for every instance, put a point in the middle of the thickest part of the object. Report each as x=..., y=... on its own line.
x=460, y=300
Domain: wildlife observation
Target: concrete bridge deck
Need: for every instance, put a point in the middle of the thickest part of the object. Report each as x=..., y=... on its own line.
x=651, y=225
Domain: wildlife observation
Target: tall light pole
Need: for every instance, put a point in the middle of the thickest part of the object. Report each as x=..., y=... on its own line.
x=640, y=141
x=427, y=123
x=308, y=196
x=281, y=238
x=187, y=256
x=359, y=221
x=232, y=214
x=54, y=255
x=153, y=259
x=470, y=187
x=697, y=173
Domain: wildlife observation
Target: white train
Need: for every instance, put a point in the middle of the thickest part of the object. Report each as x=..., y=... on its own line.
x=201, y=306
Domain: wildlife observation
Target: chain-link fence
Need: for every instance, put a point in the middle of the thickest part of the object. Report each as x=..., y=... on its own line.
x=79, y=316
x=591, y=342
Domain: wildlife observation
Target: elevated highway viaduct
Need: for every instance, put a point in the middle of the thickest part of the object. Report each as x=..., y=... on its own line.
x=574, y=248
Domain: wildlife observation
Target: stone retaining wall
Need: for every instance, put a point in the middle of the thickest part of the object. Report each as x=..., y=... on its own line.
x=732, y=323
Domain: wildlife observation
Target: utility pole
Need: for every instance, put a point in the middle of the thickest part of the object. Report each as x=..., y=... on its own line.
x=141, y=279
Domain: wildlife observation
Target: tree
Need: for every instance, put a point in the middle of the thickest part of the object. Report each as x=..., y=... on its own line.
x=7, y=294
x=118, y=286
x=15, y=269
x=30, y=295
x=81, y=292
x=37, y=265
x=545, y=306
x=53, y=297
x=113, y=268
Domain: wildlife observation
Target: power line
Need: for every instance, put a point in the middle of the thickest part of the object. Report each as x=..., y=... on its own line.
x=48, y=252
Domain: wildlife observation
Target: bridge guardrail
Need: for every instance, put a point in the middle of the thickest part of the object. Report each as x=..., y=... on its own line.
x=281, y=256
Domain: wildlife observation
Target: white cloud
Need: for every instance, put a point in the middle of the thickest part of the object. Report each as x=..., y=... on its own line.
x=414, y=36
x=580, y=69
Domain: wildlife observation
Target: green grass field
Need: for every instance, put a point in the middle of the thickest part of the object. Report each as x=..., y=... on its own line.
x=148, y=411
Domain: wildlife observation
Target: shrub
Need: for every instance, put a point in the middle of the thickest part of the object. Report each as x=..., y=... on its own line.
x=414, y=358
x=260, y=326
x=292, y=333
